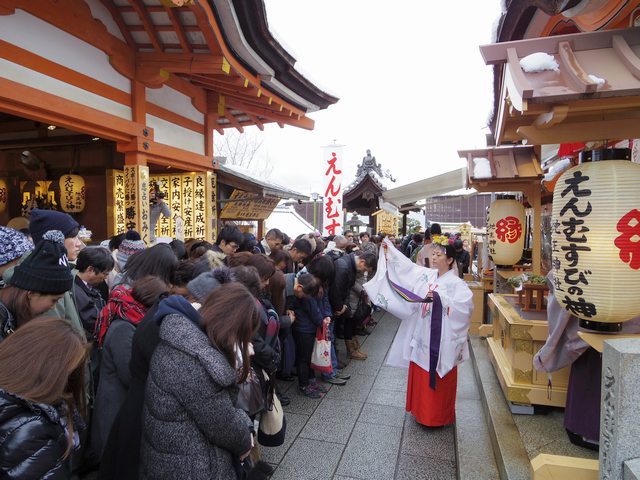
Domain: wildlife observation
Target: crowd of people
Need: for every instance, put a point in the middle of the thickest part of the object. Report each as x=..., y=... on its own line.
x=160, y=362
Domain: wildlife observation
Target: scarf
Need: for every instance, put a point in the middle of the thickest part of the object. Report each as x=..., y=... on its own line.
x=121, y=305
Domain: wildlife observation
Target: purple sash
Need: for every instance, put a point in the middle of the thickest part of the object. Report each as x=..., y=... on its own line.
x=436, y=326
x=434, y=340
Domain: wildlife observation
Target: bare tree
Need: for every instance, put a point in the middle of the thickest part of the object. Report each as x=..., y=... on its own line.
x=243, y=150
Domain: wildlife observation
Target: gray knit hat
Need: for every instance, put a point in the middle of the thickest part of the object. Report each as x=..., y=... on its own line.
x=14, y=245
x=205, y=283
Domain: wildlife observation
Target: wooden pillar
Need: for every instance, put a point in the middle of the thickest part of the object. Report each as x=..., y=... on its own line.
x=138, y=102
x=209, y=122
x=212, y=207
x=404, y=224
x=136, y=188
x=536, y=248
x=260, y=233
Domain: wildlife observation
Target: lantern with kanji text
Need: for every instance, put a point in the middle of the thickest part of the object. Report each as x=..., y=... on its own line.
x=4, y=195
x=72, y=193
x=505, y=230
x=596, y=240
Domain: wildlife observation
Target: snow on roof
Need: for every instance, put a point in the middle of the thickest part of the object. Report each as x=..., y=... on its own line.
x=287, y=220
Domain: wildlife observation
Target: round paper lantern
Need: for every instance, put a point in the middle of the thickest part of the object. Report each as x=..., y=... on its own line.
x=505, y=229
x=72, y=193
x=4, y=195
x=596, y=243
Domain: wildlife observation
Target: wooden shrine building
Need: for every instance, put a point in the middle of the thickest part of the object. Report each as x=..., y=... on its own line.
x=102, y=100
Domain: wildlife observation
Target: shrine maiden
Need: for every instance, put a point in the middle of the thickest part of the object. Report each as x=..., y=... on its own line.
x=435, y=307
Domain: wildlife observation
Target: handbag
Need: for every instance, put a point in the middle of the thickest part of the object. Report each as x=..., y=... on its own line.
x=321, y=355
x=363, y=310
x=251, y=397
x=273, y=424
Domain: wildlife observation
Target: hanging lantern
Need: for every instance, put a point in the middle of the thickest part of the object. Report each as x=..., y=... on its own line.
x=505, y=228
x=4, y=195
x=72, y=193
x=596, y=242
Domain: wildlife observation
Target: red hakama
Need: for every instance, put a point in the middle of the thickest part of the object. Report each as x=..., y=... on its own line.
x=432, y=408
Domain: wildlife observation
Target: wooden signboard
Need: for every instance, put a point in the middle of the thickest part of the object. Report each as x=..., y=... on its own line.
x=244, y=206
x=386, y=222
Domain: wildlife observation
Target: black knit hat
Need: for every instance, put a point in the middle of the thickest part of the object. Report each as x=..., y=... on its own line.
x=41, y=221
x=46, y=269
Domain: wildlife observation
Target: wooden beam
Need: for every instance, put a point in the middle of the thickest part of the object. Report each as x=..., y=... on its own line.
x=138, y=102
x=151, y=76
x=27, y=102
x=151, y=9
x=581, y=131
x=140, y=9
x=187, y=63
x=578, y=78
x=557, y=114
x=210, y=121
x=177, y=26
x=626, y=55
x=302, y=122
x=517, y=75
x=166, y=28
x=256, y=122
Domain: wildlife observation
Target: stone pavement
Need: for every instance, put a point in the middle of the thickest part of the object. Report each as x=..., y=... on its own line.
x=360, y=430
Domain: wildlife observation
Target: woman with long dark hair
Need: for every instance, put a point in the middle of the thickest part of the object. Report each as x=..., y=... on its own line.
x=192, y=428
x=42, y=398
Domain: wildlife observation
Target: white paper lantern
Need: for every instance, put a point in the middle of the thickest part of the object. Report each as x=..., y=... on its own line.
x=505, y=229
x=596, y=242
x=4, y=195
x=72, y=193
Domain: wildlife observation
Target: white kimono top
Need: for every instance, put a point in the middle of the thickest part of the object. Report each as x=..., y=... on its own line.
x=412, y=340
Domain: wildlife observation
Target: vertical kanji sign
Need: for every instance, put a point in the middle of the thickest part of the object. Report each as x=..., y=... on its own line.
x=333, y=223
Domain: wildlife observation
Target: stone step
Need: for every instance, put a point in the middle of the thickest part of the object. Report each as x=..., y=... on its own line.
x=474, y=453
x=510, y=455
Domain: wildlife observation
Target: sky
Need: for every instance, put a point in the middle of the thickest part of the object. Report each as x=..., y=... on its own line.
x=412, y=84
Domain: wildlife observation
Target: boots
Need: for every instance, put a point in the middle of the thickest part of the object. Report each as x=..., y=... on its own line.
x=353, y=350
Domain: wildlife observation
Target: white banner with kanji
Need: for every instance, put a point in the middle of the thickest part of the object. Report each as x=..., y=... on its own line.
x=333, y=223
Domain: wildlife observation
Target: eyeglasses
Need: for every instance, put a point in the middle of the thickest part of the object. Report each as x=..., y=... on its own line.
x=234, y=246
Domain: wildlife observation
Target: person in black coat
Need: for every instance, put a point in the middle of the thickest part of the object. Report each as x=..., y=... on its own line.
x=41, y=395
x=347, y=268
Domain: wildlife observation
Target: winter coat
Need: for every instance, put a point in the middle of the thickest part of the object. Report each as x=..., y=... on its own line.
x=121, y=457
x=344, y=280
x=88, y=302
x=308, y=315
x=114, y=380
x=266, y=351
x=191, y=428
x=32, y=440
